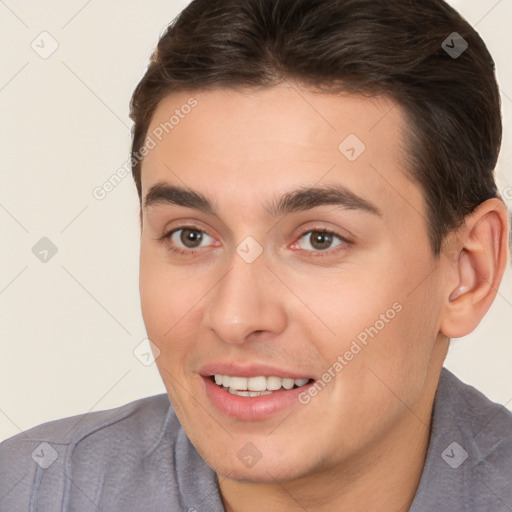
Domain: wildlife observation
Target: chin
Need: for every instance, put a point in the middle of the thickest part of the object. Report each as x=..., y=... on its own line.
x=262, y=473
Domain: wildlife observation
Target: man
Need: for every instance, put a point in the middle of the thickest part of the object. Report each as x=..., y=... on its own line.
x=318, y=218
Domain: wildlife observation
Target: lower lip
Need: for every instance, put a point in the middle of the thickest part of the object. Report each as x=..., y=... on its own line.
x=251, y=408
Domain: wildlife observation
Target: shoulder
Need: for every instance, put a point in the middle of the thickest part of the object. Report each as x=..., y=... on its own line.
x=146, y=414
x=469, y=459
x=485, y=424
x=486, y=428
x=53, y=463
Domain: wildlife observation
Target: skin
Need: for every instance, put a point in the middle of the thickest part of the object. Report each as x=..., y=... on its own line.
x=360, y=444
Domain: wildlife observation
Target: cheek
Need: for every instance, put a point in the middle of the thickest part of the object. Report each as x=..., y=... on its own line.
x=164, y=304
x=395, y=364
x=153, y=296
x=171, y=298
x=384, y=330
x=159, y=296
x=352, y=305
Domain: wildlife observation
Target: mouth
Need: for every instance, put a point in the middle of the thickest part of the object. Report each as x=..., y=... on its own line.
x=257, y=386
x=254, y=397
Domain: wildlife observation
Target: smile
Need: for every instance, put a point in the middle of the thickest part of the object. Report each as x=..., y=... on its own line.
x=256, y=386
x=253, y=398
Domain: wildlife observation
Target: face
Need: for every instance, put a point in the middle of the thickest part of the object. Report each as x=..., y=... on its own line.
x=301, y=259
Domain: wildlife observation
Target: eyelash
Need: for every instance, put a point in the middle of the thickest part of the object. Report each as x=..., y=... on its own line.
x=316, y=254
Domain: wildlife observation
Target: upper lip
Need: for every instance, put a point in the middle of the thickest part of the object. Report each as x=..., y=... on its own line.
x=249, y=370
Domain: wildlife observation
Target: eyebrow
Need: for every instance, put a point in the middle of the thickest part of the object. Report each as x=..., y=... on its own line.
x=301, y=199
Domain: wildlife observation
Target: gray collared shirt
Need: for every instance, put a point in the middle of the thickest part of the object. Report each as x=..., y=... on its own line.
x=138, y=458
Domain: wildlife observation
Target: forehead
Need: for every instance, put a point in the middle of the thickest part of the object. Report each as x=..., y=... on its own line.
x=235, y=144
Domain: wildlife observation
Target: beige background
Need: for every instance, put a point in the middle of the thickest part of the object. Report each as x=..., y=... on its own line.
x=70, y=325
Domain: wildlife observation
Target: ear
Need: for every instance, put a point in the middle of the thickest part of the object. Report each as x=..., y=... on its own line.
x=480, y=252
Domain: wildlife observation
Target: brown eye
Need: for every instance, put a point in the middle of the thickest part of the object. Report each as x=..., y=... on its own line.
x=320, y=240
x=186, y=239
x=190, y=238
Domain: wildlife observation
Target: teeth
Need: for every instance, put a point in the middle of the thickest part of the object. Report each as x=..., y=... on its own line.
x=255, y=383
x=288, y=383
x=256, y=386
x=248, y=393
x=239, y=383
x=274, y=383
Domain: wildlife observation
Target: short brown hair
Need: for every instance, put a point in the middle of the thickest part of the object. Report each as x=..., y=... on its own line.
x=381, y=47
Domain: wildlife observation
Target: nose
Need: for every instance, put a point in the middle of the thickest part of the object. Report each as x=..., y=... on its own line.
x=246, y=300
